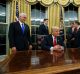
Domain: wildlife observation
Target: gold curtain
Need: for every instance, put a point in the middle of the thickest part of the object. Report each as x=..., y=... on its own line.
x=50, y=16
x=54, y=15
x=12, y=7
x=77, y=2
x=63, y=2
x=23, y=6
x=79, y=13
x=57, y=17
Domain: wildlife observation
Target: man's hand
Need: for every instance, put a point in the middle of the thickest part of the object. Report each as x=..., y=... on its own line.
x=57, y=47
x=30, y=48
x=73, y=39
x=52, y=49
x=13, y=50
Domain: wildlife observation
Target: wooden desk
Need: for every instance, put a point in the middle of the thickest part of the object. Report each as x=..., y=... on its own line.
x=24, y=63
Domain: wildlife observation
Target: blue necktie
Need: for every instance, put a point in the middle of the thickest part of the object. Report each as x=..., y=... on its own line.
x=23, y=27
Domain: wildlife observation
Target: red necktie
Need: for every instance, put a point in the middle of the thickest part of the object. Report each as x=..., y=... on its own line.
x=54, y=42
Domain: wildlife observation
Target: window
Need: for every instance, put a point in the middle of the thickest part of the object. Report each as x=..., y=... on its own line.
x=3, y=27
x=2, y=11
x=70, y=14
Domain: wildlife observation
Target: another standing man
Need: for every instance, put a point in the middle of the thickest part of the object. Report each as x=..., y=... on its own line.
x=43, y=32
x=70, y=36
x=73, y=40
x=43, y=29
x=19, y=35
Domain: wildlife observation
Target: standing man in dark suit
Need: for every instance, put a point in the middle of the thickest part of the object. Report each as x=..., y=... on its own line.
x=73, y=40
x=77, y=33
x=70, y=36
x=19, y=35
x=43, y=29
x=73, y=35
x=53, y=41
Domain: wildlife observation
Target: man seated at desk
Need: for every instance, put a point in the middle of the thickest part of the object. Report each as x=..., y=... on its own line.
x=54, y=43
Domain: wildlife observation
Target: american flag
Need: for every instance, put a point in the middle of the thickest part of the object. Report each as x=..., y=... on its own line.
x=17, y=11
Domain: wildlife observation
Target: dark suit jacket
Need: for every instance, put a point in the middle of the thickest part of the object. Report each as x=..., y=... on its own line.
x=77, y=38
x=76, y=35
x=43, y=30
x=48, y=42
x=17, y=38
x=70, y=35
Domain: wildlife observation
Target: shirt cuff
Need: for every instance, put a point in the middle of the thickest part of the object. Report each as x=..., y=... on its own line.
x=51, y=50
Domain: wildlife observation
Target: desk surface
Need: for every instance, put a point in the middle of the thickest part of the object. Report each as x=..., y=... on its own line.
x=39, y=62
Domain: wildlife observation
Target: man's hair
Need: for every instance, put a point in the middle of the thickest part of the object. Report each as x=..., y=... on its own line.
x=71, y=22
x=54, y=27
x=78, y=23
x=45, y=19
x=22, y=14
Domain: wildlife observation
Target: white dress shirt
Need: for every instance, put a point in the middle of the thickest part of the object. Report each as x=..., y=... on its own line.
x=21, y=23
